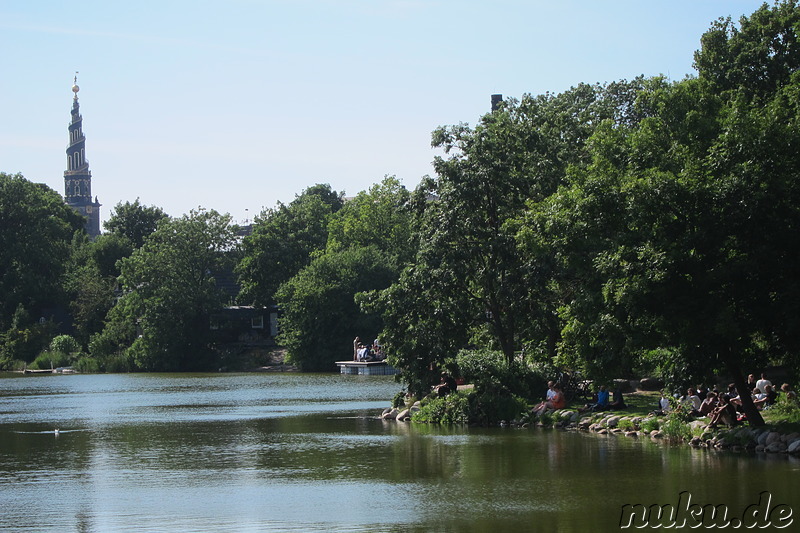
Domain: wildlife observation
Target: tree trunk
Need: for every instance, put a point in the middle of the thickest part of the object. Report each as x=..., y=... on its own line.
x=750, y=409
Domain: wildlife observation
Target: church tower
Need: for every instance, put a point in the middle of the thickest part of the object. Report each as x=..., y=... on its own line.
x=78, y=177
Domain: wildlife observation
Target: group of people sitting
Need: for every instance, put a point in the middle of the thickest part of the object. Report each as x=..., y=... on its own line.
x=726, y=408
x=367, y=352
x=554, y=399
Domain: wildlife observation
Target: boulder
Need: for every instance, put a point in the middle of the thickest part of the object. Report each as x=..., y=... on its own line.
x=403, y=415
x=791, y=437
x=650, y=384
x=656, y=434
x=632, y=434
x=612, y=421
x=602, y=431
x=760, y=448
x=775, y=447
x=697, y=424
x=623, y=385
x=762, y=438
x=390, y=414
x=772, y=437
x=794, y=446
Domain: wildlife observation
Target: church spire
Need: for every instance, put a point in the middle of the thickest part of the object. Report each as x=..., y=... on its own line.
x=78, y=177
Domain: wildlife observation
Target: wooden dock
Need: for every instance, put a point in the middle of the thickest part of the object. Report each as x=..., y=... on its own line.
x=366, y=368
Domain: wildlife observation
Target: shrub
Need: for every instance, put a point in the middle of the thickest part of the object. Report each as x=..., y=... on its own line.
x=87, y=365
x=49, y=359
x=785, y=410
x=546, y=418
x=64, y=344
x=626, y=424
x=675, y=426
x=116, y=363
x=650, y=424
x=451, y=409
x=490, y=372
x=399, y=399
x=490, y=407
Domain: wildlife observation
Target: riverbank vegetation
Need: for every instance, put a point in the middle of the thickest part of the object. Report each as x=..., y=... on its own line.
x=644, y=227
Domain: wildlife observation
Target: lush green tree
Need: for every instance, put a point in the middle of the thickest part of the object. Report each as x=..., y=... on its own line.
x=754, y=58
x=134, y=221
x=170, y=292
x=36, y=228
x=380, y=217
x=319, y=313
x=677, y=244
x=283, y=241
x=468, y=283
x=91, y=280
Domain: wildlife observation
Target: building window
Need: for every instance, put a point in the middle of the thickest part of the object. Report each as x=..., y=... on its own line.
x=257, y=322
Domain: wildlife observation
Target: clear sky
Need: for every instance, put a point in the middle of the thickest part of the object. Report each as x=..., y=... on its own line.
x=235, y=105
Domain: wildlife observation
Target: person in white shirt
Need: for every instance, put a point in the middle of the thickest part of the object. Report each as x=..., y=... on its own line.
x=762, y=383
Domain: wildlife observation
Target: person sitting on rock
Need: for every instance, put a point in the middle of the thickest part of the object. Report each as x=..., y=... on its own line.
x=724, y=413
x=692, y=402
x=550, y=391
x=557, y=401
x=708, y=404
x=446, y=385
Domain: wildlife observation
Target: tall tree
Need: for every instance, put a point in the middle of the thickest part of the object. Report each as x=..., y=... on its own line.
x=170, y=292
x=320, y=314
x=134, y=221
x=283, y=241
x=36, y=228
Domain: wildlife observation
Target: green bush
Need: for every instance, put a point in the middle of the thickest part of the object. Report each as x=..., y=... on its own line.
x=48, y=359
x=676, y=426
x=650, y=424
x=785, y=410
x=626, y=424
x=451, y=409
x=116, y=363
x=399, y=399
x=64, y=344
x=490, y=407
x=546, y=418
x=490, y=372
x=87, y=365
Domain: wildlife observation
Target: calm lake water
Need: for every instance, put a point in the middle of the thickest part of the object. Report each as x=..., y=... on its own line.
x=293, y=452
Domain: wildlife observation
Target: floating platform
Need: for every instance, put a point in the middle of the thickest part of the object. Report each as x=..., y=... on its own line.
x=366, y=368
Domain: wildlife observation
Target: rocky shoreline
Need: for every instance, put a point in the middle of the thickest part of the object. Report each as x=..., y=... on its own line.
x=736, y=439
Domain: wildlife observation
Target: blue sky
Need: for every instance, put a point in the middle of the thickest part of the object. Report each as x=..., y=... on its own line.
x=237, y=105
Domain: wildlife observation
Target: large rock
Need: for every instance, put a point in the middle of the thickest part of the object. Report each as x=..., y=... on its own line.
x=791, y=437
x=612, y=422
x=403, y=415
x=623, y=385
x=650, y=384
x=794, y=446
x=390, y=414
x=762, y=438
x=772, y=437
x=775, y=447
